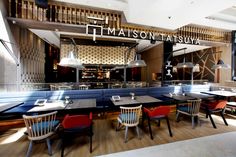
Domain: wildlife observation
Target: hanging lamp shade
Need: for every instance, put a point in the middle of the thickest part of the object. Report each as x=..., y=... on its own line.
x=71, y=61
x=196, y=68
x=185, y=64
x=137, y=62
x=221, y=65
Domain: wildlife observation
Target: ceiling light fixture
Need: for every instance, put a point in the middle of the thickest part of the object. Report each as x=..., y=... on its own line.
x=185, y=64
x=71, y=61
x=221, y=65
x=137, y=62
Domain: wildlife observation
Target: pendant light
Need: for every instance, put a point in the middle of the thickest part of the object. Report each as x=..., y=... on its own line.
x=185, y=64
x=221, y=65
x=137, y=62
x=71, y=61
x=196, y=68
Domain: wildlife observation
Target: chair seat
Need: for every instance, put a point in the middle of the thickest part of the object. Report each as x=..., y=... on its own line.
x=183, y=108
x=160, y=111
x=76, y=121
x=45, y=125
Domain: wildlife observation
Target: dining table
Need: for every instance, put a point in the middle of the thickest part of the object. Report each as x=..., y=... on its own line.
x=179, y=97
x=9, y=105
x=57, y=105
x=222, y=93
x=144, y=99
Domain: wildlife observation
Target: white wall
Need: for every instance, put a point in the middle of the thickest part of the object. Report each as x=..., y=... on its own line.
x=8, y=68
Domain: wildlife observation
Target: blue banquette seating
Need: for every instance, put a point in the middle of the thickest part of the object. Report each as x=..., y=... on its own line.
x=102, y=96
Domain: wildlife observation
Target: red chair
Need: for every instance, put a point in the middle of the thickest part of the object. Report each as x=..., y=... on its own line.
x=158, y=113
x=213, y=107
x=76, y=124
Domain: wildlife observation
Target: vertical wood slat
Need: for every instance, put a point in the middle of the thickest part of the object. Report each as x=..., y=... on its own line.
x=16, y=12
x=78, y=16
x=9, y=8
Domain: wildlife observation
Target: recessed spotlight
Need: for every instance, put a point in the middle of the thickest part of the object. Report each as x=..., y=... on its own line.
x=56, y=30
x=14, y=22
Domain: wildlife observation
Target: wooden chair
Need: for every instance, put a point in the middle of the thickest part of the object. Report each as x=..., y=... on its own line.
x=129, y=117
x=76, y=124
x=191, y=109
x=158, y=113
x=40, y=127
x=214, y=107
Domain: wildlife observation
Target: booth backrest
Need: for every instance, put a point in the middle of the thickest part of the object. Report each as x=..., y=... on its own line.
x=102, y=96
x=75, y=94
x=28, y=98
x=195, y=88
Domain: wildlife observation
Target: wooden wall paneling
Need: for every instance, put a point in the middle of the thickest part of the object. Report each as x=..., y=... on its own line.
x=16, y=7
x=82, y=17
x=73, y=16
x=77, y=16
x=35, y=12
x=29, y=10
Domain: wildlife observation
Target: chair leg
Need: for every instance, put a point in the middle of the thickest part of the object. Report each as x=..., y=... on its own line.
x=198, y=121
x=137, y=130
x=177, y=117
x=149, y=128
x=212, y=121
x=168, y=124
x=193, y=122
x=29, y=149
x=49, y=146
x=90, y=139
x=118, y=126
x=62, y=146
x=159, y=123
x=223, y=117
x=126, y=133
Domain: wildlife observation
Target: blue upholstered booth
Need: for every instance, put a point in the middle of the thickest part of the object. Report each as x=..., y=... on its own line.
x=102, y=96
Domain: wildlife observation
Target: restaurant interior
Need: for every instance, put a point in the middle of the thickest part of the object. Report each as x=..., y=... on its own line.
x=76, y=75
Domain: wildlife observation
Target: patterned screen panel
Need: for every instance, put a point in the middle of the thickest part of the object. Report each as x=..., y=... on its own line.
x=110, y=55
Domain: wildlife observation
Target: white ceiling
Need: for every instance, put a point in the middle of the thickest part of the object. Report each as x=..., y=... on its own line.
x=167, y=14
x=171, y=14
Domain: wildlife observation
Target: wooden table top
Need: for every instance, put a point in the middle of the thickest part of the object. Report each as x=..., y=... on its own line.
x=179, y=97
x=221, y=93
x=60, y=105
x=199, y=95
x=138, y=100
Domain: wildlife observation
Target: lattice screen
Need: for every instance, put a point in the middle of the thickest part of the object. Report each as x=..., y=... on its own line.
x=32, y=58
x=111, y=55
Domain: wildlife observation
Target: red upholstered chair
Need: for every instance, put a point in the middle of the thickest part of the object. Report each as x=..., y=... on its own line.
x=75, y=124
x=213, y=107
x=158, y=113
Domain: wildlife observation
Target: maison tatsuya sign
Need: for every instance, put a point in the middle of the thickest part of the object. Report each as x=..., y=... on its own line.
x=99, y=31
